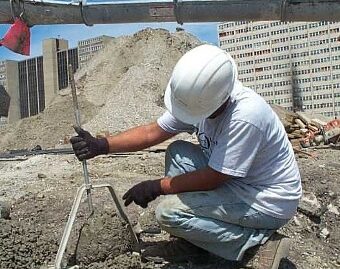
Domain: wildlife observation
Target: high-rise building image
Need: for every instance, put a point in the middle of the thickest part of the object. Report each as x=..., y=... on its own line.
x=295, y=65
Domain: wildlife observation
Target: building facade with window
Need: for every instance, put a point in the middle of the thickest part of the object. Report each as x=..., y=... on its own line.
x=295, y=65
x=89, y=47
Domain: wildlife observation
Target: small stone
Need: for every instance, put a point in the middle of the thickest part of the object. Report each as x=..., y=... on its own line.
x=333, y=209
x=296, y=221
x=324, y=233
x=41, y=175
x=40, y=196
x=309, y=204
x=338, y=261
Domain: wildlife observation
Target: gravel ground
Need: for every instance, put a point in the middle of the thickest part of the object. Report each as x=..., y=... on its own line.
x=43, y=197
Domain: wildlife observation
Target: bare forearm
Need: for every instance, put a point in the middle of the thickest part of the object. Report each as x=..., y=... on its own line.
x=138, y=138
x=201, y=180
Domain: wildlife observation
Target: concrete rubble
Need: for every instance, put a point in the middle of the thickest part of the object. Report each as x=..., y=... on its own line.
x=309, y=204
x=308, y=132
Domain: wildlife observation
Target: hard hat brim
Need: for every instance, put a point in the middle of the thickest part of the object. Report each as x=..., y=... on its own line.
x=179, y=111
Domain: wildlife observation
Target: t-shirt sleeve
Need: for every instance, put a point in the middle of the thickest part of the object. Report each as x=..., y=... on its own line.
x=172, y=125
x=236, y=149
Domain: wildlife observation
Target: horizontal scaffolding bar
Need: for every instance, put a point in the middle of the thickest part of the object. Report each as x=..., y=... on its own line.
x=182, y=11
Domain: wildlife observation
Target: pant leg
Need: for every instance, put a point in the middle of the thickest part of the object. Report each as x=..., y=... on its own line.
x=217, y=220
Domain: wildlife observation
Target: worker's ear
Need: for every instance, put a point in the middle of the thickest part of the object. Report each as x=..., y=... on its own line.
x=17, y=38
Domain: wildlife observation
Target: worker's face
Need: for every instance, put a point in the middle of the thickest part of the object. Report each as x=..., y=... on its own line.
x=219, y=110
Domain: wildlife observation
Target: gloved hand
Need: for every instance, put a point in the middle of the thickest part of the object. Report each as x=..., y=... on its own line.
x=143, y=193
x=85, y=146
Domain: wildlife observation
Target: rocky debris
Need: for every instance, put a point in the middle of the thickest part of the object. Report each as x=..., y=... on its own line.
x=306, y=131
x=312, y=131
x=309, y=205
x=333, y=209
x=324, y=233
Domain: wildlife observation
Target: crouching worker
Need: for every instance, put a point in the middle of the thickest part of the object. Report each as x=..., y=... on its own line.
x=231, y=192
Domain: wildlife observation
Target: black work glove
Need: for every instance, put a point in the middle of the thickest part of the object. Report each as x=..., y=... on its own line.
x=143, y=193
x=85, y=146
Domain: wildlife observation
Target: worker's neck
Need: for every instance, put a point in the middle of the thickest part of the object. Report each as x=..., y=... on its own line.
x=219, y=111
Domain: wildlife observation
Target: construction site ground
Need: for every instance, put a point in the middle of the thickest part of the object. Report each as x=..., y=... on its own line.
x=121, y=87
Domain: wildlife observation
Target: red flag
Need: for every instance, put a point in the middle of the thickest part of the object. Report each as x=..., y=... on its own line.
x=17, y=38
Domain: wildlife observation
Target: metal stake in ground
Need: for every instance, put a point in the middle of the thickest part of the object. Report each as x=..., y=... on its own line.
x=87, y=181
x=87, y=187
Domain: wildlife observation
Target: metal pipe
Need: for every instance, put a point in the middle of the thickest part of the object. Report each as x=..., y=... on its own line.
x=43, y=13
x=87, y=180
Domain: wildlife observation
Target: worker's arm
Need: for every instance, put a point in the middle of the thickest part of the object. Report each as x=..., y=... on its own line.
x=201, y=180
x=138, y=138
x=85, y=146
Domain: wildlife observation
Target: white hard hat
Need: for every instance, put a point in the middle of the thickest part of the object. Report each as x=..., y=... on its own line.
x=200, y=83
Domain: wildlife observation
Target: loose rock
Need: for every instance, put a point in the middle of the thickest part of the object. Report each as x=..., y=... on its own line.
x=309, y=205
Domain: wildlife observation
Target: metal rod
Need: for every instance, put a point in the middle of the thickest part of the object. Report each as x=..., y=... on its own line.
x=68, y=227
x=87, y=181
x=42, y=13
x=73, y=214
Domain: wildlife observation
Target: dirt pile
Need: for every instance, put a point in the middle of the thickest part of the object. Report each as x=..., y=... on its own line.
x=131, y=76
x=122, y=86
x=47, y=128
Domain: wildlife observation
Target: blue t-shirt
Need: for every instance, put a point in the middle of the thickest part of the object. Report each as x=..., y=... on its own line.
x=249, y=143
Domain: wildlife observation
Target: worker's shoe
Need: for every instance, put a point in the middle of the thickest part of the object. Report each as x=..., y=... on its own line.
x=269, y=255
x=176, y=250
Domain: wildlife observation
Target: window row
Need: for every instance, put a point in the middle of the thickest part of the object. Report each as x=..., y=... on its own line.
x=262, y=60
x=299, y=63
x=260, y=27
x=320, y=60
x=324, y=105
x=323, y=96
x=298, y=28
x=262, y=77
x=280, y=49
x=281, y=57
x=300, y=54
x=284, y=74
x=281, y=66
x=278, y=92
x=299, y=46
